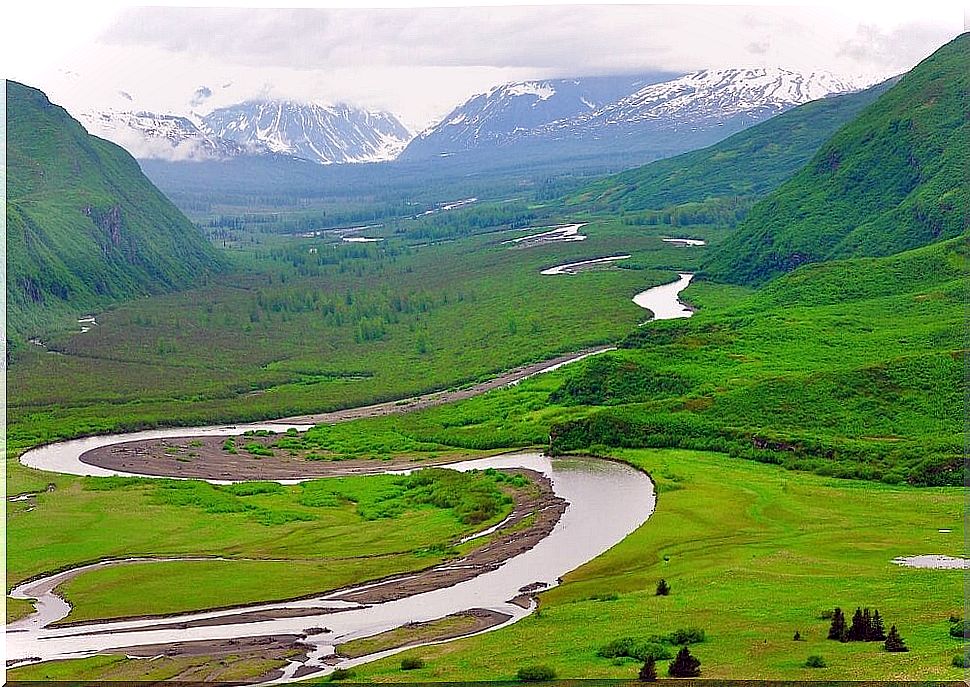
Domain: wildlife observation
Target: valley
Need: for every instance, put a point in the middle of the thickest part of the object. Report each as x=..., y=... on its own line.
x=463, y=432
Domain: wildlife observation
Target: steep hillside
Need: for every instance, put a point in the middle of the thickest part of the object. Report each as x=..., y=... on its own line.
x=84, y=225
x=750, y=163
x=896, y=177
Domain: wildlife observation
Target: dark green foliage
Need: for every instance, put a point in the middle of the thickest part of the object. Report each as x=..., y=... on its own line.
x=959, y=630
x=412, y=663
x=895, y=178
x=877, y=631
x=797, y=637
x=689, y=635
x=894, y=642
x=536, y=674
x=859, y=628
x=85, y=227
x=815, y=661
x=663, y=589
x=634, y=648
x=607, y=380
x=341, y=674
x=961, y=661
x=684, y=665
x=838, y=630
x=472, y=503
x=750, y=163
x=648, y=671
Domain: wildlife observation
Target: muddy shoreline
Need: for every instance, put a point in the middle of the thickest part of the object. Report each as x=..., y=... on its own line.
x=203, y=457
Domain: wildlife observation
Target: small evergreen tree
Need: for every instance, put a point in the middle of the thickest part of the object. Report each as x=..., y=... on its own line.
x=797, y=637
x=866, y=625
x=684, y=665
x=894, y=642
x=857, y=631
x=837, y=630
x=878, y=629
x=648, y=673
x=663, y=589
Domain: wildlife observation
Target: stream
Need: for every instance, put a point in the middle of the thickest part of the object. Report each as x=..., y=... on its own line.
x=607, y=501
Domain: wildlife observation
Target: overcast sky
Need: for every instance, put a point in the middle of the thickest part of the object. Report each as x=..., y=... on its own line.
x=420, y=62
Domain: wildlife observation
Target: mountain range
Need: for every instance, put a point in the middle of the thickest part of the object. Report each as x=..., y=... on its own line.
x=323, y=134
x=722, y=101
x=661, y=113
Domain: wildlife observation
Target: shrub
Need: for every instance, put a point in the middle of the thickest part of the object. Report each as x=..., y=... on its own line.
x=341, y=674
x=632, y=648
x=689, y=635
x=536, y=673
x=412, y=663
x=814, y=662
x=961, y=661
x=663, y=589
x=959, y=630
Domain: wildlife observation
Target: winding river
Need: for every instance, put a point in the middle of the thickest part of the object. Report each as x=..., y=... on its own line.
x=607, y=501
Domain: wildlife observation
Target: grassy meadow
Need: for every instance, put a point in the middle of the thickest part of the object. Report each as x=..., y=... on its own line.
x=280, y=541
x=752, y=554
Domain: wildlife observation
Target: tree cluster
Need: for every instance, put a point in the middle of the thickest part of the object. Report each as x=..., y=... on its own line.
x=866, y=626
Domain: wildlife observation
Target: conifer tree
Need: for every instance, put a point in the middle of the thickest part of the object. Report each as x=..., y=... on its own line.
x=878, y=629
x=684, y=665
x=837, y=630
x=857, y=631
x=866, y=625
x=797, y=637
x=648, y=673
x=894, y=642
x=663, y=589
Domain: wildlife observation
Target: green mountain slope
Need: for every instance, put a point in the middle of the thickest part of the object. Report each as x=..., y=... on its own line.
x=85, y=227
x=812, y=371
x=896, y=177
x=750, y=163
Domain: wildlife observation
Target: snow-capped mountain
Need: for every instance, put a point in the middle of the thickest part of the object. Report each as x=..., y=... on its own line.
x=708, y=103
x=148, y=135
x=712, y=97
x=506, y=111
x=325, y=134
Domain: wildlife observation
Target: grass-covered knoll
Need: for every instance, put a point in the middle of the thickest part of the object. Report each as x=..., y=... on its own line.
x=752, y=554
x=749, y=163
x=281, y=541
x=85, y=227
x=814, y=372
x=307, y=326
x=896, y=177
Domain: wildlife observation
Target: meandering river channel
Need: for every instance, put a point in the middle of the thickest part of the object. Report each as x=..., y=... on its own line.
x=606, y=501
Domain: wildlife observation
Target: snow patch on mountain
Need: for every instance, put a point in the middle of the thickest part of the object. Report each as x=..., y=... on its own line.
x=323, y=133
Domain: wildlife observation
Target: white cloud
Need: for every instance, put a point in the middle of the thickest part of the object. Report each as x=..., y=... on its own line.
x=420, y=62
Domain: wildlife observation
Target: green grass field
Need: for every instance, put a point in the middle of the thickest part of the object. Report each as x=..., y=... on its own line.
x=281, y=542
x=752, y=554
